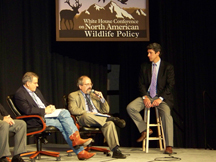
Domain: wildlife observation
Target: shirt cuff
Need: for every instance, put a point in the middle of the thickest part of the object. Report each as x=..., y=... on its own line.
x=102, y=100
x=161, y=98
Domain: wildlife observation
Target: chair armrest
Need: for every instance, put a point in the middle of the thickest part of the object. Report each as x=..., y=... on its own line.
x=34, y=116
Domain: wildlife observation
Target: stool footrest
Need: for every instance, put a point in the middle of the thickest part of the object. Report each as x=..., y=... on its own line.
x=154, y=125
x=155, y=138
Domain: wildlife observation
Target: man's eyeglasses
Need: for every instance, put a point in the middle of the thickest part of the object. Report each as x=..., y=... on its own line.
x=89, y=84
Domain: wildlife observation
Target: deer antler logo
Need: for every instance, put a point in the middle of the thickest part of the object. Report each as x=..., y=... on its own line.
x=68, y=15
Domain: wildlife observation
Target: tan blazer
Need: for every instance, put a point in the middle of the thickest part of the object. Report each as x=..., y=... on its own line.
x=76, y=104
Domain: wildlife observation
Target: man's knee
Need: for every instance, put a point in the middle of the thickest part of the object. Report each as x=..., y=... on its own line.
x=64, y=113
x=4, y=126
x=129, y=107
x=164, y=110
x=109, y=124
x=23, y=124
x=86, y=118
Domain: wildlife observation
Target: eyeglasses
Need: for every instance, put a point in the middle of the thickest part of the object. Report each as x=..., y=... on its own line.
x=88, y=84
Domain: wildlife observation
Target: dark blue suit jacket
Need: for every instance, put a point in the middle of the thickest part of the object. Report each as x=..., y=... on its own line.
x=165, y=81
x=27, y=106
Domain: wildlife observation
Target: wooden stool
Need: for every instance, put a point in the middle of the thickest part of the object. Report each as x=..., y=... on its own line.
x=159, y=126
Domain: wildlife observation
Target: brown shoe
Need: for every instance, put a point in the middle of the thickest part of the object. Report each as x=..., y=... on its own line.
x=168, y=150
x=83, y=155
x=78, y=141
x=143, y=135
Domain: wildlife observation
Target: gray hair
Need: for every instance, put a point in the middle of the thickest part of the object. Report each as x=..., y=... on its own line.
x=28, y=76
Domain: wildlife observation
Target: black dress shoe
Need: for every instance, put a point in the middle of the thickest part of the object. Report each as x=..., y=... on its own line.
x=3, y=159
x=118, y=154
x=119, y=122
x=17, y=158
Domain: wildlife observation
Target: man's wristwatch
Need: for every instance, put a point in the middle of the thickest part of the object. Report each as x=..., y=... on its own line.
x=143, y=98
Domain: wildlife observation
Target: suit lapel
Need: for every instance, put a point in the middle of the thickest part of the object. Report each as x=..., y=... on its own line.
x=149, y=72
x=29, y=98
x=82, y=100
x=160, y=72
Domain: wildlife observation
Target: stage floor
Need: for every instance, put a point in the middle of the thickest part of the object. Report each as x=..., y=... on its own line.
x=133, y=155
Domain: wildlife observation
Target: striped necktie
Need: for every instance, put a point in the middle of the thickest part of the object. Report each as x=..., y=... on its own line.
x=89, y=103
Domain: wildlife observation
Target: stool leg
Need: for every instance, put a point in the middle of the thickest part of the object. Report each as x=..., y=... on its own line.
x=144, y=143
x=159, y=128
x=164, y=140
x=145, y=120
x=147, y=130
x=160, y=131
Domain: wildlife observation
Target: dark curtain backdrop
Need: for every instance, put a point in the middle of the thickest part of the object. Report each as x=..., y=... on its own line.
x=185, y=29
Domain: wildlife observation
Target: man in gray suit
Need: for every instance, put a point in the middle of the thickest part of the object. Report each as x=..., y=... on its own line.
x=86, y=106
x=18, y=127
x=155, y=91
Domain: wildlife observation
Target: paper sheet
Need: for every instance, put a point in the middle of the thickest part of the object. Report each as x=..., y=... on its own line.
x=54, y=114
x=104, y=115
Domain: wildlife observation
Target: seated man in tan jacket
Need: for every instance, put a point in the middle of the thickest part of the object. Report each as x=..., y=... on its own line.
x=87, y=106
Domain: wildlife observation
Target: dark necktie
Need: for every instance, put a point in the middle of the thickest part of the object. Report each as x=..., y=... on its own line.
x=153, y=82
x=90, y=107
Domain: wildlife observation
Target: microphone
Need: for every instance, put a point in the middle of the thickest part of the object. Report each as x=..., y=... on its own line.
x=93, y=91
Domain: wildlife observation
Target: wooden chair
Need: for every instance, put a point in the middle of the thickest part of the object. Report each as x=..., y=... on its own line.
x=159, y=126
x=89, y=132
x=39, y=132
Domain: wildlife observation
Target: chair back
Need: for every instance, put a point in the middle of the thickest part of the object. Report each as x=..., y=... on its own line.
x=10, y=101
x=65, y=104
x=65, y=101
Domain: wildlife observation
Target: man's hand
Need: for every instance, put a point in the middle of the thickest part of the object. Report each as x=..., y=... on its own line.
x=50, y=109
x=156, y=102
x=98, y=94
x=147, y=103
x=9, y=120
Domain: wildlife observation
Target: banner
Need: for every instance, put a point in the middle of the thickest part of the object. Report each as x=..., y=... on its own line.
x=102, y=20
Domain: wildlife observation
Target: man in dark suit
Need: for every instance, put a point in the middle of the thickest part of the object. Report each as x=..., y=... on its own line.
x=29, y=100
x=18, y=127
x=156, y=82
